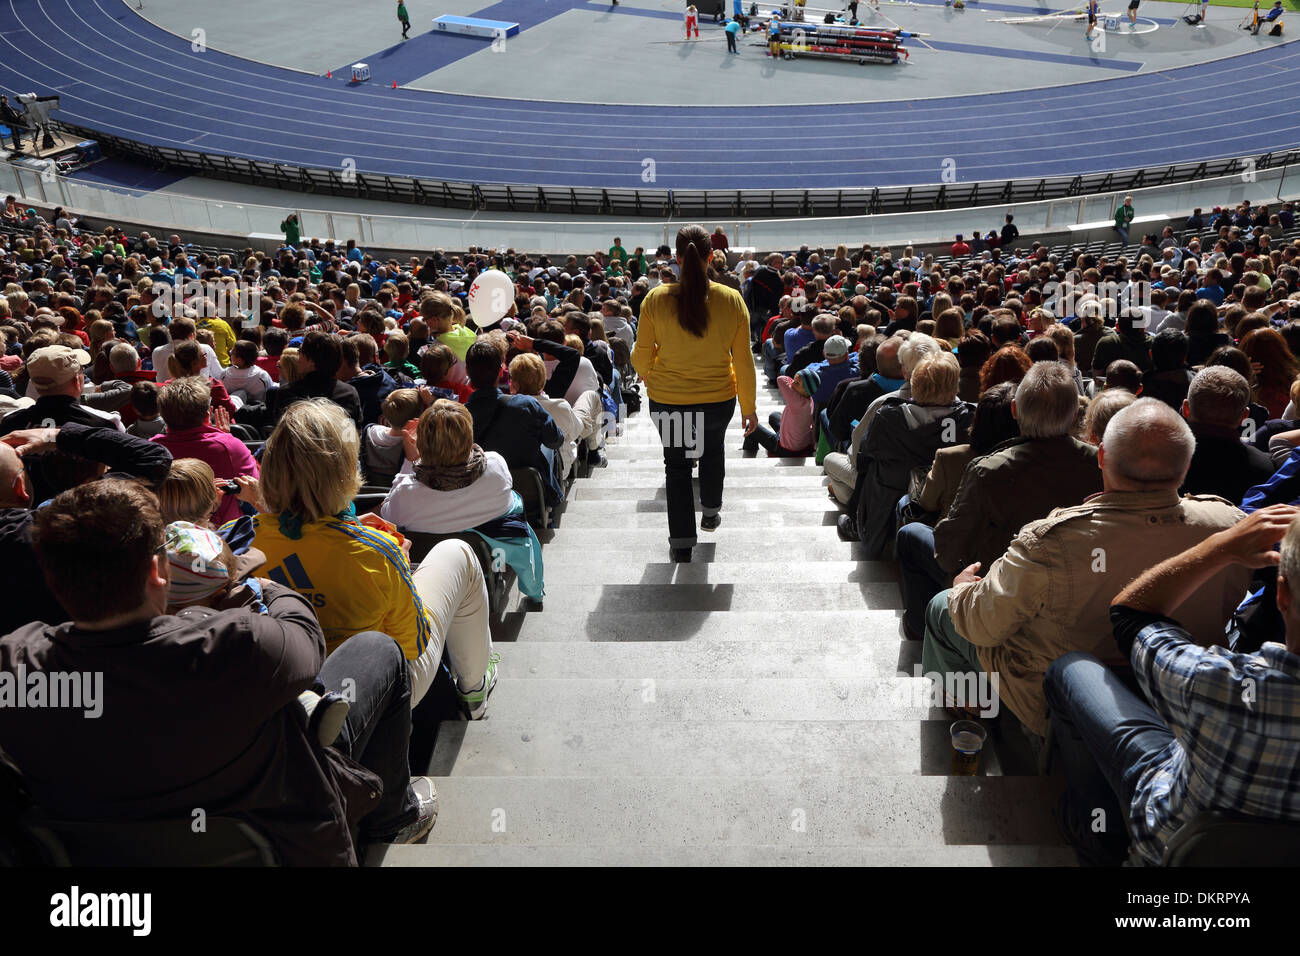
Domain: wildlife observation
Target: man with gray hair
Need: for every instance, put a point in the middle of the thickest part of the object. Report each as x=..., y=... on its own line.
x=841, y=468
x=1019, y=481
x=1183, y=741
x=1050, y=593
x=1216, y=407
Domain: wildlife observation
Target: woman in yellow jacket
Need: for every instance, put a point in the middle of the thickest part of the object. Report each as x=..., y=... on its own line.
x=692, y=350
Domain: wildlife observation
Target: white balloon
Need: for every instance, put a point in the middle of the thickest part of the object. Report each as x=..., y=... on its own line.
x=490, y=297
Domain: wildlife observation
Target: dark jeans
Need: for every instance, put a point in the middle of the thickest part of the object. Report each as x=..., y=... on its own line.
x=769, y=439
x=1104, y=736
x=377, y=732
x=731, y=43
x=689, y=432
x=920, y=577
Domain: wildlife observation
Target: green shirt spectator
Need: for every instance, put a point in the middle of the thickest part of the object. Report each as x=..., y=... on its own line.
x=292, y=230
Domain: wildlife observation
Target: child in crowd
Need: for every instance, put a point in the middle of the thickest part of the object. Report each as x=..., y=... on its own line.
x=274, y=340
x=397, y=348
x=187, y=359
x=381, y=446
x=243, y=377
x=148, y=422
x=436, y=363
x=795, y=422
x=443, y=317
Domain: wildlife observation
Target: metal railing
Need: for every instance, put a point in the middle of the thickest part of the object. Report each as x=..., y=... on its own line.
x=555, y=233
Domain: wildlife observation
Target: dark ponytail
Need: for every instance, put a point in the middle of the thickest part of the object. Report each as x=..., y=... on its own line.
x=693, y=287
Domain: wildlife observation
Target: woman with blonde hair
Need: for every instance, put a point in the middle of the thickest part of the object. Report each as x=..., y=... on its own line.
x=449, y=484
x=290, y=370
x=692, y=351
x=840, y=261
x=356, y=573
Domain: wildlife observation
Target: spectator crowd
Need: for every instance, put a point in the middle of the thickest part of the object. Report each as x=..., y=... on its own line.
x=301, y=473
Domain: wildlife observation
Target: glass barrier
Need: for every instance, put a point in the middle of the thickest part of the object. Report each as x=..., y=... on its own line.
x=166, y=211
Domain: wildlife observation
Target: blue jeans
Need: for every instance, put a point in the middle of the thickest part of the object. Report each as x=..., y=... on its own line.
x=771, y=362
x=920, y=577
x=1104, y=736
x=689, y=432
x=377, y=731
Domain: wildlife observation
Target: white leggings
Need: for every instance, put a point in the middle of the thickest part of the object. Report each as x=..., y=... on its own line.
x=451, y=586
x=589, y=412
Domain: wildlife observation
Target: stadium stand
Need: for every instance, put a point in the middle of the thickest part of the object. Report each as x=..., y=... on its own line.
x=321, y=467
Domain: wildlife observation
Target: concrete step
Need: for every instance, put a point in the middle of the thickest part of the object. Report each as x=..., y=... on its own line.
x=753, y=500
x=568, y=600
x=726, y=544
x=622, y=855
x=662, y=700
x=593, y=748
x=606, y=485
x=825, y=657
x=737, y=545
x=574, y=568
x=739, y=516
x=666, y=626
x=844, y=810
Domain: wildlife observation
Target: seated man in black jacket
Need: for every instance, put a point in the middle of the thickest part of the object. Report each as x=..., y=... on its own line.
x=225, y=684
x=58, y=375
x=514, y=426
x=1216, y=408
x=319, y=358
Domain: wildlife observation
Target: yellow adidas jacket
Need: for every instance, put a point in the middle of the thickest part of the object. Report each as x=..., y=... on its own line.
x=355, y=577
x=681, y=369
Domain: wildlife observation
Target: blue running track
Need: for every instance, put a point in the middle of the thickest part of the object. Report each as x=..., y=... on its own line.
x=119, y=74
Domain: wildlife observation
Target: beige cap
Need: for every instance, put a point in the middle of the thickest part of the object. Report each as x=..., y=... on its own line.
x=55, y=365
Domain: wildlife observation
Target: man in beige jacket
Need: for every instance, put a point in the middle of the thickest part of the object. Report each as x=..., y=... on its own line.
x=1050, y=593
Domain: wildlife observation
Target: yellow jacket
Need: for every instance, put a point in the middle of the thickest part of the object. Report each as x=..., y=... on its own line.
x=681, y=369
x=356, y=578
x=223, y=337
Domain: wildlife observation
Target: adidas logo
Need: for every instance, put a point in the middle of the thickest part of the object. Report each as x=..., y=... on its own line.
x=292, y=574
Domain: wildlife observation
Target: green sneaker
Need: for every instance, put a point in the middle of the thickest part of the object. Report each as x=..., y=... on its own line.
x=475, y=701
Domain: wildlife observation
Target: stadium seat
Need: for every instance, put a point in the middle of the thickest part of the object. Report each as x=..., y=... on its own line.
x=528, y=482
x=368, y=501
x=1223, y=838
x=225, y=841
x=499, y=581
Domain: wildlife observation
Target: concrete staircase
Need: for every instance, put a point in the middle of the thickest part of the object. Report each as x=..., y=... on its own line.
x=753, y=707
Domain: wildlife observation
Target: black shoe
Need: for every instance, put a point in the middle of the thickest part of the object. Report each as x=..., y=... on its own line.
x=847, y=528
x=596, y=458
x=750, y=443
x=710, y=522
x=682, y=555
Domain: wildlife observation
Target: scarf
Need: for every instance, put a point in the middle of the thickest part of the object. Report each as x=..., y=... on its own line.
x=291, y=523
x=453, y=477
